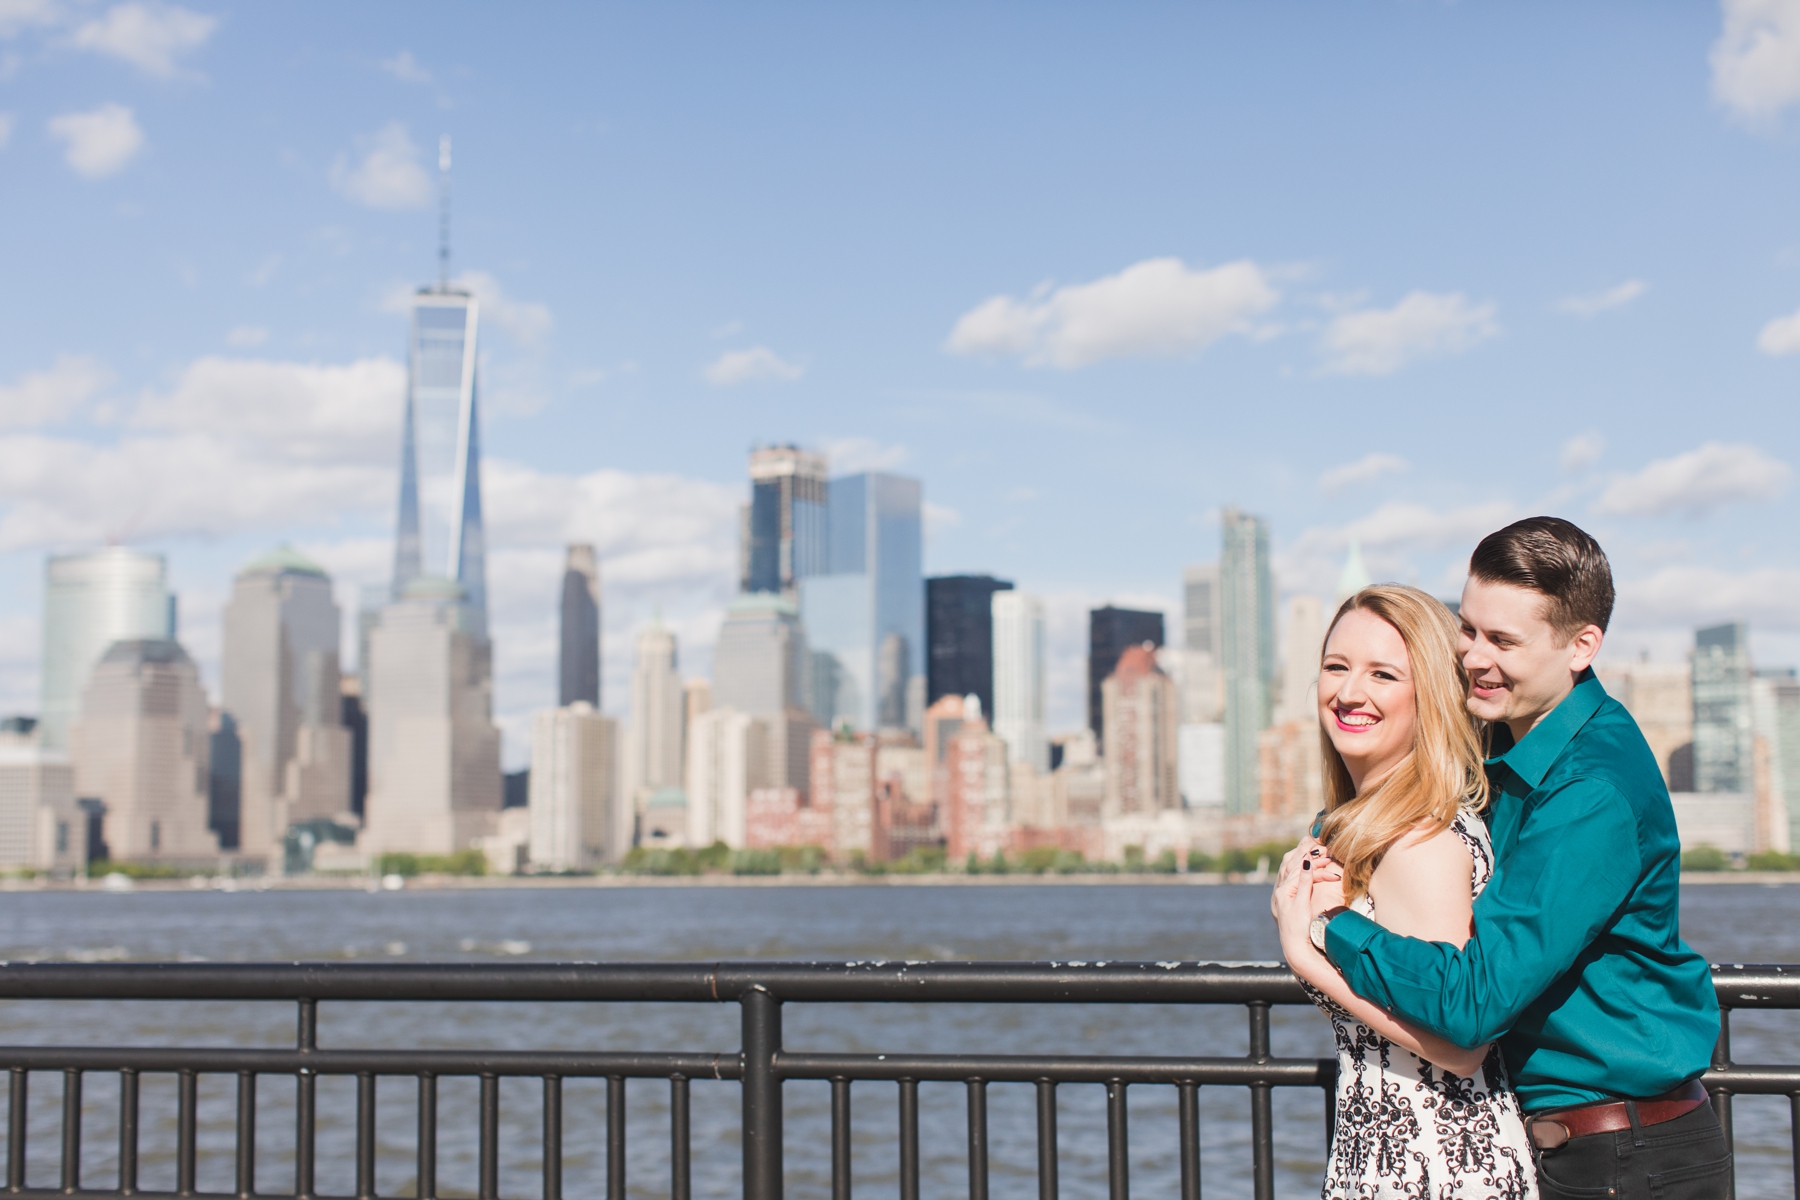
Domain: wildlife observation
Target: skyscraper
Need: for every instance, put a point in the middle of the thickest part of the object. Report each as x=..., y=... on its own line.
x=1202, y=698
x=1140, y=750
x=959, y=635
x=92, y=600
x=573, y=810
x=440, y=531
x=434, y=753
x=578, y=676
x=1019, y=677
x=142, y=748
x=759, y=661
x=761, y=669
x=1723, y=725
x=728, y=758
x=865, y=617
x=1247, y=614
x=657, y=711
x=280, y=685
x=1111, y=631
x=783, y=526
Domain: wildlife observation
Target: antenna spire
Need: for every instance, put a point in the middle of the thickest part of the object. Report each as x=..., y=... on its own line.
x=444, y=213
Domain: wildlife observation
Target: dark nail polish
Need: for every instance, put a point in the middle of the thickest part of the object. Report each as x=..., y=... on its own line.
x=1306, y=866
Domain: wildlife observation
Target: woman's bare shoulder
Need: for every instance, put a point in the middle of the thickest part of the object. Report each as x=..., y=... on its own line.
x=1426, y=860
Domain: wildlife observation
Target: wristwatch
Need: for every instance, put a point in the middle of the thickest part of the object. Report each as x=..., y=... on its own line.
x=1317, y=929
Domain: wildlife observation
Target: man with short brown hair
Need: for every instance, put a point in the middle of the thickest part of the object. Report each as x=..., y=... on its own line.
x=1575, y=962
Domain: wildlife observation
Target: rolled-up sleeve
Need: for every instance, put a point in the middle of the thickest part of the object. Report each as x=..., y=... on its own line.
x=1573, y=867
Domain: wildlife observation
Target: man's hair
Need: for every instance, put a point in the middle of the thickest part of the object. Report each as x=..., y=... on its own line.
x=1550, y=556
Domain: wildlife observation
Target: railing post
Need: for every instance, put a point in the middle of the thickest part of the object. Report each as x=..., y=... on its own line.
x=71, y=1131
x=1721, y=1097
x=16, y=1131
x=1262, y=1113
x=762, y=1095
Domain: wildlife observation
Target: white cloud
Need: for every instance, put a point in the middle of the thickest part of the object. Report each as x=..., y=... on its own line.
x=99, y=142
x=6, y=127
x=527, y=321
x=1697, y=482
x=388, y=175
x=757, y=363
x=1594, y=303
x=148, y=36
x=851, y=455
x=1390, y=536
x=16, y=15
x=48, y=397
x=1686, y=596
x=1583, y=450
x=298, y=412
x=1756, y=61
x=1156, y=308
x=247, y=335
x=404, y=67
x=1379, y=341
x=1780, y=336
x=939, y=517
x=1366, y=469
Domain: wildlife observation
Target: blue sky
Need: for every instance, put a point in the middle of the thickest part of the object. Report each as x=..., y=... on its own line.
x=1393, y=271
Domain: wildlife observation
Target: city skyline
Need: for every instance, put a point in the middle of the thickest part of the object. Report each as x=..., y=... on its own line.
x=1312, y=325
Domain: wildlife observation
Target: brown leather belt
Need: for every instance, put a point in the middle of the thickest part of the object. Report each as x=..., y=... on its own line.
x=1550, y=1130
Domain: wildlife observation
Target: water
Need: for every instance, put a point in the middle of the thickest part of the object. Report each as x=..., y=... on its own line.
x=1731, y=923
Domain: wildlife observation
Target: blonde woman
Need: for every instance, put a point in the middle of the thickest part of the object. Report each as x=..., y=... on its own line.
x=1404, y=841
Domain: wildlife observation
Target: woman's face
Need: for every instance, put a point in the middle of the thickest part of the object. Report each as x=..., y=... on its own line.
x=1366, y=700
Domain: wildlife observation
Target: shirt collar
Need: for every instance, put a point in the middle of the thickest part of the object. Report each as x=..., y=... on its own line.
x=1531, y=758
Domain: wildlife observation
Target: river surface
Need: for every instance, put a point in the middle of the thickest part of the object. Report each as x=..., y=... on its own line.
x=1727, y=923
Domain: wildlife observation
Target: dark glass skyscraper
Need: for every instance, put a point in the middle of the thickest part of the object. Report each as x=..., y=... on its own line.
x=959, y=637
x=578, y=672
x=1110, y=631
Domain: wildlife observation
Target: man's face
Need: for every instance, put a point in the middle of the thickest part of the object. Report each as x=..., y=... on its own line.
x=1520, y=666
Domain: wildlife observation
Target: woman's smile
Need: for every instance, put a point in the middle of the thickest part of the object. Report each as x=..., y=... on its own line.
x=1355, y=720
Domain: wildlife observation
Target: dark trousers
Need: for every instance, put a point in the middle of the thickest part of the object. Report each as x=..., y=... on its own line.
x=1683, y=1159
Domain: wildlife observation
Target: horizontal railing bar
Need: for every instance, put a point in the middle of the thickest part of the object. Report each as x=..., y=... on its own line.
x=1757, y=986
x=1080, y=982
x=230, y=1060
x=916, y=982
x=1754, y=1080
x=1007, y=1068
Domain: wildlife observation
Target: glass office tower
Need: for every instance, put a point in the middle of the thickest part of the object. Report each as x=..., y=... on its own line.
x=865, y=615
x=440, y=529
x=783, y=531
x=1247, y=636
x=91, y=601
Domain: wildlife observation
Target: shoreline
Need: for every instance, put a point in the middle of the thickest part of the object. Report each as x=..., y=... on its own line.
x=316, y=883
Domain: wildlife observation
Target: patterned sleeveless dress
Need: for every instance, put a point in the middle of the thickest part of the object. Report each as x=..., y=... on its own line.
x=1406, y=1128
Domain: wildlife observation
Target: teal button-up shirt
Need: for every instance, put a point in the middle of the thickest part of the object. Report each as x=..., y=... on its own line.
x=1576, y=963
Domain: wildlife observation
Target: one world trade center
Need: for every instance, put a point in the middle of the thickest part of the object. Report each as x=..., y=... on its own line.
x=440, y=530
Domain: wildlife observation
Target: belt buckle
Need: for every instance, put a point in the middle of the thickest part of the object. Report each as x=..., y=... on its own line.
x=1546, y=1133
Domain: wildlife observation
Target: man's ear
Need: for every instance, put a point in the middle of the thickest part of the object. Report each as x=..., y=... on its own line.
x=1584, y=647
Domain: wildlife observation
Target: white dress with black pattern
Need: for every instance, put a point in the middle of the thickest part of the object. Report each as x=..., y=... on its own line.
x=1406, y=1128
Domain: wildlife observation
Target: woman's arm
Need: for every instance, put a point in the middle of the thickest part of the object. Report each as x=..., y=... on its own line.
x=1317, y=970
x=1306, y=961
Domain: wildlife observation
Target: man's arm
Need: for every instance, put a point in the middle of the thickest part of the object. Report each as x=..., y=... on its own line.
x=1575, y=863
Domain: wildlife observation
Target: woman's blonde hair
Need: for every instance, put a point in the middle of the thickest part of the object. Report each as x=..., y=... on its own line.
x=1443, y=773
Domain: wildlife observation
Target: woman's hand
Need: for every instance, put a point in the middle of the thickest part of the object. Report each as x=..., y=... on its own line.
x=1293, y=903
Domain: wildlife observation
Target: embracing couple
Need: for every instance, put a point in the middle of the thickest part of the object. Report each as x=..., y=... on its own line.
x=1487, y=909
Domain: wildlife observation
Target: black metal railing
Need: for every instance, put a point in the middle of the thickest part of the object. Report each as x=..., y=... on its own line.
x=761, y=1065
